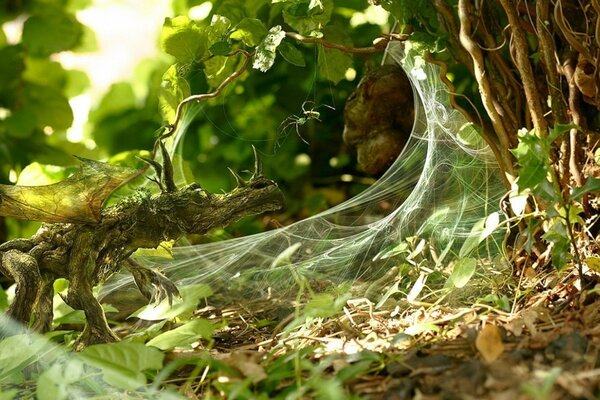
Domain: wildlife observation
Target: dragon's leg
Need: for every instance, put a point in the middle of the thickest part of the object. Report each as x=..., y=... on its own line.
x=80, y=293
x=153, y=285
x=23, y=268
x=42, y=311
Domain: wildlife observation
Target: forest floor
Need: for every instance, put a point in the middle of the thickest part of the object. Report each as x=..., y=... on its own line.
x=547, y=347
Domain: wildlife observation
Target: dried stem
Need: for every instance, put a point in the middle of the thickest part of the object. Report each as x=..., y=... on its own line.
x=574, y=107
x=345, y=49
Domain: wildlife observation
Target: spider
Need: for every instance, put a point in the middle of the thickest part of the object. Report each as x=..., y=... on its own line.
x=298, y=120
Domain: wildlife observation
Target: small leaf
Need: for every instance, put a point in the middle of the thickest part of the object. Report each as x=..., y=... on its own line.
x=173, y=89
x=480, y=231
x=265, y=51
x=285, y=257
x=123, y=363
x=591, y=185
x=190, y=297
x=184, y=335
x=489, y=343
x=291, y=54
x=417, y=288
x=250, y=31
x=163, y=250
x=593, y=263
x=462, y=272
x=324, y=305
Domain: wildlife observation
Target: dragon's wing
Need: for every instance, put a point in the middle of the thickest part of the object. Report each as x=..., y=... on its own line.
x=77, y=199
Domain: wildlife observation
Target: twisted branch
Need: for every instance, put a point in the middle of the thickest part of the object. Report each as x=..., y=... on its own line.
x=525, y=69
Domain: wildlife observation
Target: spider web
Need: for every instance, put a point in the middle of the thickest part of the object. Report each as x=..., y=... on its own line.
x=443, y=183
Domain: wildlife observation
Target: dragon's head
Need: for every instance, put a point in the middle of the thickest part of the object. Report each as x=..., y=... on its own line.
x=256, y=195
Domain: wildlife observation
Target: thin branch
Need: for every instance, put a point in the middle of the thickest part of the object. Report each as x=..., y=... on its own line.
x=345, y=49
x=568, y=33
x=205, y=96
x=525, y=70
x=485, y=87
x=574, y=108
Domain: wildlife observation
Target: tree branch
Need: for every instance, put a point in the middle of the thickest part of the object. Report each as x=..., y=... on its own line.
x=525, y=69
x=345, y=49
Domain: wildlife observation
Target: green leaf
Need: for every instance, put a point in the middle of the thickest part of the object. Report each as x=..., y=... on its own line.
x=184, y=335
x=16, y=352
x=291, y=54
x=77, y=83
x=325, y=305
x=307, y=16
x=21, y=124
x=50, y=106
x=45, y=72
x=183, y=39
x=265, y=51
x=190, y=297
x=173, y=89
x=558, y=236
x=590, y=186
x=11, y=66
x=531, y=157
x=480, y=231
x=123, y=363
x=222, y=48
x=333, y=63
x=250, y=31
x=462, y=272
x=51, y=31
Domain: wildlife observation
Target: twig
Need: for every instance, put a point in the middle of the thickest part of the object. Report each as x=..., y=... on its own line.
x=345, y=49
x=569, y=35
x=205, y=96
x=574, y=107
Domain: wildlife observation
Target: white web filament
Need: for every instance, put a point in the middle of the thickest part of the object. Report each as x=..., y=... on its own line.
x=443, y=183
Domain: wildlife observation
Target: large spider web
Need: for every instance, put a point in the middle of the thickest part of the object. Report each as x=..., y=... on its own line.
x=442, y=184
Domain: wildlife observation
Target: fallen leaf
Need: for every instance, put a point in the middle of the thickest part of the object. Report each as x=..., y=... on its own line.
x=489, y=343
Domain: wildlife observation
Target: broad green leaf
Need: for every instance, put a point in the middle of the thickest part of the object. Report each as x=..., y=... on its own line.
x=77, y=83
x=183, y=38
x=333, y=63
x=250, y=31
x=120, y=97
x=11, y=66
x=3, y=299
x=307, y=16
x=190, y=297
x=21, y=124
x=184, y=335
x=462, y=272
x=291, y=54
x=51, y=31
x=265, y=51
x=50, y=106
x=45, y=72
x=218, y=30
x=123, y=363
x=173, y=89
x=222, y=48
x=16, y=352
x=60, y=381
